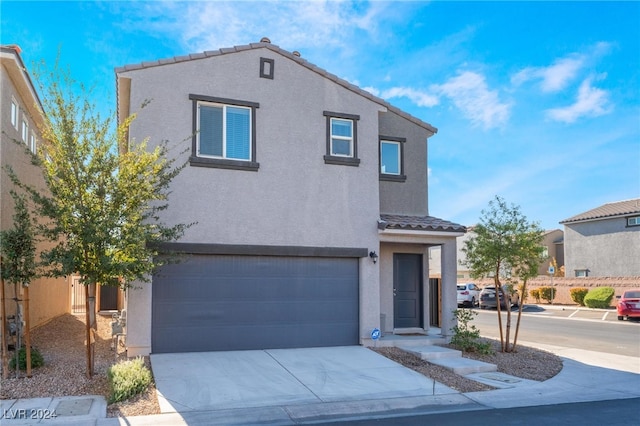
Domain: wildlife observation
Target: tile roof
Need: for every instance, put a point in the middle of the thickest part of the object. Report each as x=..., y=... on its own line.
x=418, y=223
x=619, y=208
x=289, y=55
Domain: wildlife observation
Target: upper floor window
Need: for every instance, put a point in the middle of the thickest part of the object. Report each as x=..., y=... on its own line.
x=392, y=159
x=224, y=133
x=14, y=113
x=633, y=221
x=32, y=143
x=25, y=131
x=342, y=138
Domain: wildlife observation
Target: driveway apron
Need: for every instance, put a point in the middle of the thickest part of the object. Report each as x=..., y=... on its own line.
x=260, y=378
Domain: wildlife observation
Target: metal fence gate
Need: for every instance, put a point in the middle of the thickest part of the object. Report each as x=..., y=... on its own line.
x=78, y=297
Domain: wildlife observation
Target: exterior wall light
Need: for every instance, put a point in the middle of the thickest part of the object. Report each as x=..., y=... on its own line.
x=374, y=256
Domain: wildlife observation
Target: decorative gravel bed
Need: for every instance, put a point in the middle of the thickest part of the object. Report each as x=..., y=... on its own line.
x=61, y=342
x=526, y=363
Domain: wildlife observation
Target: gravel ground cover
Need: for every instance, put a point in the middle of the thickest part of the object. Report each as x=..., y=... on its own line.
x=62, y=345
x=61, y=342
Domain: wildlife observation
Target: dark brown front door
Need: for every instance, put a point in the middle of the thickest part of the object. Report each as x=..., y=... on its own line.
x=407, y=290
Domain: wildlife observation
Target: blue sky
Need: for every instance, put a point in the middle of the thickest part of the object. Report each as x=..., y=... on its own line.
x=536, y=102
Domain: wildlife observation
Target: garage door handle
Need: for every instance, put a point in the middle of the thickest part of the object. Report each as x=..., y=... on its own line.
x=394, y=292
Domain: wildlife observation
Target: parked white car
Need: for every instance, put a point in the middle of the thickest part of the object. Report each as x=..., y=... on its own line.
x=468, y=295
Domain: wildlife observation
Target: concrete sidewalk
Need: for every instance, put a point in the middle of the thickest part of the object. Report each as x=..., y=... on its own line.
x=328, y=389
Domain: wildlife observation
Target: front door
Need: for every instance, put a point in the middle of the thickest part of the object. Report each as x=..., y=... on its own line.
x=407, y=290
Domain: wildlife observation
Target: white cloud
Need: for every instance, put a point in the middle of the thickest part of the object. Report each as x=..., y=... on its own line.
x=563, y=71
x=202, y=26
x=590, y=102
x=470, y=93
x=418, y=97
x=554, y=77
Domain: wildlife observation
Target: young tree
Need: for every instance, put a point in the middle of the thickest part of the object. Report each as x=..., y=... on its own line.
x=506, y=244
x=104, y=194
x=18, y=249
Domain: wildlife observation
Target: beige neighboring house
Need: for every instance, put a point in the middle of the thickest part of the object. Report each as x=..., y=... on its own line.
x=21, y=116
x=553, y=243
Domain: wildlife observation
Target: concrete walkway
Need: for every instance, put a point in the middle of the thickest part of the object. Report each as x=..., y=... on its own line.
x=285, y=387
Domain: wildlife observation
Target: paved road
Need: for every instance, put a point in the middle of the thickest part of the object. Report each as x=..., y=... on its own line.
x=595, y=330
x=620, y=412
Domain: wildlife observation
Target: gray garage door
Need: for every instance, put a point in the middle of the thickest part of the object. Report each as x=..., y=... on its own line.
x=215, y=303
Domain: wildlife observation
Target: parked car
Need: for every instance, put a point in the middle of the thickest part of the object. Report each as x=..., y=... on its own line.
x=629, y=305
x=468, y=295
x=488, y=297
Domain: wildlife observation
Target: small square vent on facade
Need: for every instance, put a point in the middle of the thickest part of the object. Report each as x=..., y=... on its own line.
x=266, y=68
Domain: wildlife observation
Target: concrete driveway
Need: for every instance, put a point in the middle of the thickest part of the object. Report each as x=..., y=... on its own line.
x=262, y=378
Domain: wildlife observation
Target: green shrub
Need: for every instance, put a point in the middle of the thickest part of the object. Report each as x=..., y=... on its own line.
x=466, y=337
x=599, y=297
x=547, y=293
x=127, y=379
x=535, y=293
x=36, y=359
x=578, y=294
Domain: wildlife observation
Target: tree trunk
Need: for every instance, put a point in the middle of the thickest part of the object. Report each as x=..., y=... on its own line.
x=3, y=332
x=91, y=325
x=507, y=304
x=27, y=332
x=87, y=336
x=18, y=319
x=524, y=294
x=498, y=291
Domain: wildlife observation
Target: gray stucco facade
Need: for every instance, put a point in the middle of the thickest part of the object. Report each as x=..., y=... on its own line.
x=602, y=248
x=293, y=200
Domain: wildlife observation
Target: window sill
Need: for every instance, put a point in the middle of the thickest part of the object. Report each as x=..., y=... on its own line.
x=393, y=178
x=341, y=161
x=218, y=163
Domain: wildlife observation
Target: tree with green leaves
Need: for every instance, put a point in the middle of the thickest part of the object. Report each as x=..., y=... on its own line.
x=104, y=194
x=506, y=246
x=18, y=249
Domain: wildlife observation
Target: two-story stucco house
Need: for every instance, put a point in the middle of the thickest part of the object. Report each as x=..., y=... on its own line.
x=21, y=119
x=310, y=197
x=604, y=241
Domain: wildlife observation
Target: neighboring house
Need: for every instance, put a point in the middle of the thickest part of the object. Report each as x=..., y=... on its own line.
x=463, y=274
x=552, y=242
x=310, y=197
x=21, y=118
x=604, y=242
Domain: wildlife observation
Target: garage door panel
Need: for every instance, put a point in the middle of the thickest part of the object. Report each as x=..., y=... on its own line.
x=243, y=337
x=254, y=302
x=230, y=313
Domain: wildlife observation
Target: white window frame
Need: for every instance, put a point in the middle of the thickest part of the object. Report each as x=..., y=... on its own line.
x=344, y=138
x=14, y=113
x=399, y=147
x=224, y=130
x=33, y=142
x=581, y=273
x=633, y=221
x=25, y=131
